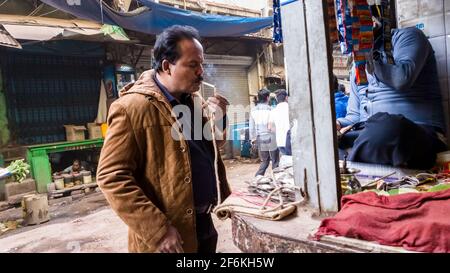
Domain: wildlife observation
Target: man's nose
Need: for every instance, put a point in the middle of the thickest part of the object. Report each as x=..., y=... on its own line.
x=200, y=70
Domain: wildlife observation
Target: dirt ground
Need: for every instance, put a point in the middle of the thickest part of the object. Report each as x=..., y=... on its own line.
x=89, y=225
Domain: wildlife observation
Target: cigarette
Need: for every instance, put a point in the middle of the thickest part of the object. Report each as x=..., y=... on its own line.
x=212, y=86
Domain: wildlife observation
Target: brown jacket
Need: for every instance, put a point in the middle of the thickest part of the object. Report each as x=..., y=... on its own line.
x=144, y=173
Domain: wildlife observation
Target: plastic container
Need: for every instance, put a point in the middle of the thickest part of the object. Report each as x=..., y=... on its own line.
x=77, y=179
x=68, y=181
x=87, y=177
x=59, y=182
x=443, y=160
x=104, y=127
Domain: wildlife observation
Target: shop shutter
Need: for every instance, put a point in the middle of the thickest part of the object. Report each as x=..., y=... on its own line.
x=232, y=82
x=44, y=92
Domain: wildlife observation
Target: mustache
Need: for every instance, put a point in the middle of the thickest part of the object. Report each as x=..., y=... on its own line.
x=199, y=79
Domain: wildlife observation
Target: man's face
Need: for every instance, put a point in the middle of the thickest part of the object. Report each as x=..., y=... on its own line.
x=186, y=73
x=76, y=166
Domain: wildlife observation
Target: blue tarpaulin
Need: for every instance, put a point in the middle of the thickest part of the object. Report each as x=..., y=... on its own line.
x=157, y=17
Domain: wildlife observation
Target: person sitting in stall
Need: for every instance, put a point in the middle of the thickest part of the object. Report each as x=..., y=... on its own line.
x=340, y=98
x=76, y=167
x=397, y=119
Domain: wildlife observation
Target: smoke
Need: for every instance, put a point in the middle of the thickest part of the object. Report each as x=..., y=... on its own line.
x=209, y=71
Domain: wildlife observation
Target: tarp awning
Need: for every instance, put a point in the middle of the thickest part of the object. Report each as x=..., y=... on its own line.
x=45, y=29
x=153, y=18
x=6, y=39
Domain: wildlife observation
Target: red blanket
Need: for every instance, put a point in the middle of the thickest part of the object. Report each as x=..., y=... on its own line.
x=414, y=221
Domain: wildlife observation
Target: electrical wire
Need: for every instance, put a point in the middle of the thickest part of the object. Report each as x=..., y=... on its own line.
x=101, y=10
x=47, y=13
x=3, y=2
x=36, y=10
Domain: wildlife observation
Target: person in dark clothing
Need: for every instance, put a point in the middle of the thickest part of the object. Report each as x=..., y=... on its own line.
x=340, y=98
x=397, y=119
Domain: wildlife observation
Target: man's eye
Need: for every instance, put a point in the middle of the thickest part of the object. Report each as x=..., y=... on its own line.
x=193, y=65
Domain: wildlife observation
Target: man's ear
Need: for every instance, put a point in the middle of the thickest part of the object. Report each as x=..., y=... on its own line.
x=166, y=66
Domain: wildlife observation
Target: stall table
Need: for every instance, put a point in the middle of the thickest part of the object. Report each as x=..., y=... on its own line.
x=37, y=156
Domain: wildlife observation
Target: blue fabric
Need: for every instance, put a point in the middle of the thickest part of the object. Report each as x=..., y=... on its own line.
x=202, y=159
x=158, y=17
x=277, y=30
x=341, y=102
x=409, y=87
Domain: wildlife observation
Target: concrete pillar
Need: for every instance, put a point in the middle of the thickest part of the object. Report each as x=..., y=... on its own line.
x=308, y=61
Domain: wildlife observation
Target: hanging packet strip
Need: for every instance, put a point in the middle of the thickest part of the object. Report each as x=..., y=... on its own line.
x=332, y=24
x=363, y=38
x=381, y=10
x=356, y=33
x=344, y=21
x=277, y=29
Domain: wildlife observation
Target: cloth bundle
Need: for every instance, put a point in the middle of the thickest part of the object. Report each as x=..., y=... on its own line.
x=414, y=221
x=265, y=198
x=235, y=203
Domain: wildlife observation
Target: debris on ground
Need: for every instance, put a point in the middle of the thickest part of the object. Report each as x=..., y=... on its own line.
x=282, y=177
x=8, y=226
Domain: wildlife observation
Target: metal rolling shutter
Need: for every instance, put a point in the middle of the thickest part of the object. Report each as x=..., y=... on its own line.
x=231, y=82
x=44, y=92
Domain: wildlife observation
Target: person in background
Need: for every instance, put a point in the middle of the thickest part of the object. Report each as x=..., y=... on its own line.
x=262, y=135
x=340, y=100
x=279, y=120
x=76, y=167
x=398, y=118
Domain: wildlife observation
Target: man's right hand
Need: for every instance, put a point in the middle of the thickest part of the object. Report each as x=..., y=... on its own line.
x=171, y=242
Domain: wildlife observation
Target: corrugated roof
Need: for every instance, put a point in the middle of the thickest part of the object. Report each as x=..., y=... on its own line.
x=45, y=29
x=7, y=40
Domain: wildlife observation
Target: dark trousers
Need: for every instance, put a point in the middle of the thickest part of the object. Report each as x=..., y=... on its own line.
x=266, y=157
x=393, y=140
x=206, y=234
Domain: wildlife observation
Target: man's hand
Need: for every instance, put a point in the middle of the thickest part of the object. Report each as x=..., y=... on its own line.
x=338, y=126
x=171, y=242
x=218, y=105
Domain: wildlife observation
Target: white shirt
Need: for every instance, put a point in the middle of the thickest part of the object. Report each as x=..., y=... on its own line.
x=280, y=118
x=259, y=120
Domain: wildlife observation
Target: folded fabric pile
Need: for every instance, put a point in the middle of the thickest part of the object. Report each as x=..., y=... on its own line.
x=414, y=221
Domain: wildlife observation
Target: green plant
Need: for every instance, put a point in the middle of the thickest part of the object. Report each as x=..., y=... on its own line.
x=19, y=170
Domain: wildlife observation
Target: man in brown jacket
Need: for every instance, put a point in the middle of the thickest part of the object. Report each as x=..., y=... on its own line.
x=156, y=177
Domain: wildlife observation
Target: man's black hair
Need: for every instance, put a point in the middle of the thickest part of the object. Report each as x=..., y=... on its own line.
x=281, y=95
x=263, y=95
x=166, y=45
